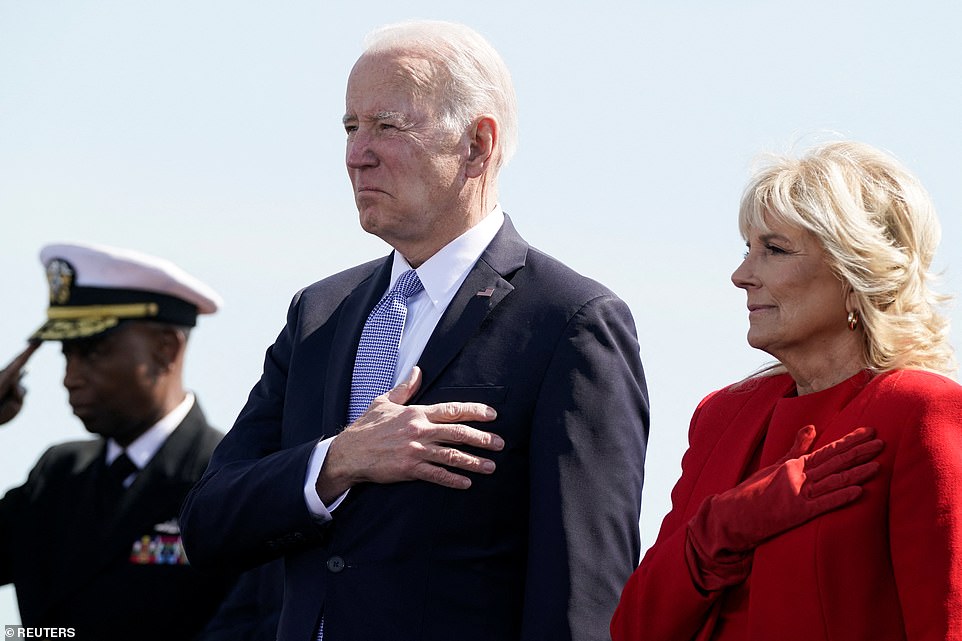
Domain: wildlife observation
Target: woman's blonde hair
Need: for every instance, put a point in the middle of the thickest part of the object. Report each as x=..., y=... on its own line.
x=879, y=229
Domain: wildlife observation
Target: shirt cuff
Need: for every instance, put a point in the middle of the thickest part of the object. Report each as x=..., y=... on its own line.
x=320, y=512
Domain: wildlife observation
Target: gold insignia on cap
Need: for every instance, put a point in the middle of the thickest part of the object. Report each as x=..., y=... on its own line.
x=64, y=330
x=132, y=310
x=60, y=278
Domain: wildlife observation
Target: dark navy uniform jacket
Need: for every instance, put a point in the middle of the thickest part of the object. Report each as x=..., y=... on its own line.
x=122, y=576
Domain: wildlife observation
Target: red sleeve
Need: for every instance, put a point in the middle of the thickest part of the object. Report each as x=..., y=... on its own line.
x=925, y=516
x=660, y=601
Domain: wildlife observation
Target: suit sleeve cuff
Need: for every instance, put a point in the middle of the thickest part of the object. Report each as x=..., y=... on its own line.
x=320, y=512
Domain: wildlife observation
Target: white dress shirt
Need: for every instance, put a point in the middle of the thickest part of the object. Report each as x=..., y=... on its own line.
x=442, y=276
x=146, y=445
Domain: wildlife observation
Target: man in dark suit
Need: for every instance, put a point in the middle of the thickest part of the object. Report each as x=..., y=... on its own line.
x=92, y=541
x=494, y=492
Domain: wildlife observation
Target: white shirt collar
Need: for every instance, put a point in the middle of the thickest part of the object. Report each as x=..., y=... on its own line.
x=146, y=445
x=443, y=273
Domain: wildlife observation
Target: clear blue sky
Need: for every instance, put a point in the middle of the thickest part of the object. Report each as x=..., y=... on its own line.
x=209, y=133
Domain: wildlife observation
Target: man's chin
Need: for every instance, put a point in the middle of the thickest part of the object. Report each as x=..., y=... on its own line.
x=90, y=423
x=92, y=427
x=369, y=217
x=374, y=223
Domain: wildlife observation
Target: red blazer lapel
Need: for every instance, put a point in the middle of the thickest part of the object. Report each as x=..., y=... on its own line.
x=730, y=432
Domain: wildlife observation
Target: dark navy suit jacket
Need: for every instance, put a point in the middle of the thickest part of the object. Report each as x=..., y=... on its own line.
x=538, y=550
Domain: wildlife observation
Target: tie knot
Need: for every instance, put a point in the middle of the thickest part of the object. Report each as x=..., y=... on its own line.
x=408, y=284
x=121, y=468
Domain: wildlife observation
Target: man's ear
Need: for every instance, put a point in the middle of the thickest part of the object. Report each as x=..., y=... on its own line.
x=169, y=344
x=483, y=141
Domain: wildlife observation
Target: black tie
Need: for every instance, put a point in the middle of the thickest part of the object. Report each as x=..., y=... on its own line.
x=120, y=469
x=116, y=472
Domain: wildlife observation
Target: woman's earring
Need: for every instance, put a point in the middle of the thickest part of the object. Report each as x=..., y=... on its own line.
x=853, y=319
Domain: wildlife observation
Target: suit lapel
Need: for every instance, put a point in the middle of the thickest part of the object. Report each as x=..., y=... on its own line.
x=166, y=468
x=84, y=491
x=350, y=322
x=92, y=538
x=484, y=288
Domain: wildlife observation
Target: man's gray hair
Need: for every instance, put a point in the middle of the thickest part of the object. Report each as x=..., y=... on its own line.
x=469, y=76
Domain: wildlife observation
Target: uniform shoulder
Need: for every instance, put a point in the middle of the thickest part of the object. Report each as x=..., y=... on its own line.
x=71, y=455
x=208, y=438
x=74, y=448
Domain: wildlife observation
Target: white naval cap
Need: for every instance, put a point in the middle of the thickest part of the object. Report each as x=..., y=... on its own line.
x=95, y=287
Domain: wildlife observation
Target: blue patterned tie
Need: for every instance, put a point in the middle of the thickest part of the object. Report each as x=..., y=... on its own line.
x=377, y=350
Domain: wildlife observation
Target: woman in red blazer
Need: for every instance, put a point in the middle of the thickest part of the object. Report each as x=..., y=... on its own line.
x=822, y=498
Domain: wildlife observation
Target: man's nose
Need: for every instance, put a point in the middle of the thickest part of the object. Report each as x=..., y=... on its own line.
x=74, y=375
x=359, y=152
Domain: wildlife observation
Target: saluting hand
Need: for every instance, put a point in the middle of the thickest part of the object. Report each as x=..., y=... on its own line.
x=11, y=391
x=393, y=442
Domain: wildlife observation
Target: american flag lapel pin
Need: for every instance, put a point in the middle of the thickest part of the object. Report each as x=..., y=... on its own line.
x=486, y=292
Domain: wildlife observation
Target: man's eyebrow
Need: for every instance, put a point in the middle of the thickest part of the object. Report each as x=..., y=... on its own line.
x=380, y=115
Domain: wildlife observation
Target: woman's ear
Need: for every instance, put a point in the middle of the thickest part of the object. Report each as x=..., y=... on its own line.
x=851, y=300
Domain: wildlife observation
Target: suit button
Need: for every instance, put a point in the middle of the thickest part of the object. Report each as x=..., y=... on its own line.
x=335, y=564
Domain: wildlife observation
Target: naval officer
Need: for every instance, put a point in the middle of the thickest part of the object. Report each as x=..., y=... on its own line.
x=91, y=540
